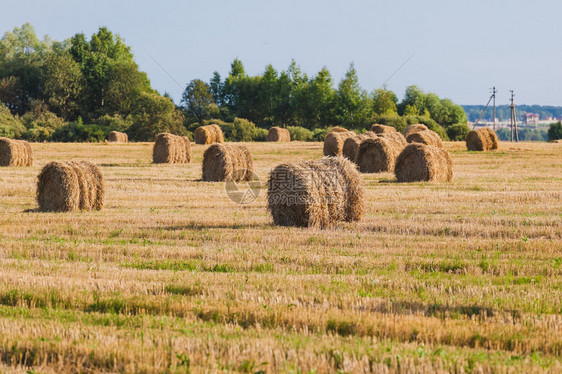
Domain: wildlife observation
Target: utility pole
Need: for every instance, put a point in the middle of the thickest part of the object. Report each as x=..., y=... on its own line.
x=513, y=125
x=485, y=107
x=494, y=96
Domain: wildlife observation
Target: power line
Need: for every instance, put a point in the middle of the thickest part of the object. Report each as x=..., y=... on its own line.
x=166, y=71
x=397, y=70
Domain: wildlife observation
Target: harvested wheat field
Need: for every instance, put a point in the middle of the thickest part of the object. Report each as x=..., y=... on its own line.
x=172, y=276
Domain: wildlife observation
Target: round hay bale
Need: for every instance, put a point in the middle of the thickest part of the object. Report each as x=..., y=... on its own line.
x=118, y=137
x=70, y=186
x=492, y=137
x=28, y=153
x=15, y=152
x=414, y=128
x=315, y=193
x=381, y=129
x=277, y=134
x=351, y=144
x=337, y=129
x=171, y=149
x=227, y=160
x=425, y=137
x=97, y=183
x=333, y=142
x=377, y=155
x=483, y=139
x=396, y=137
x=421, y=162
x=208, y=135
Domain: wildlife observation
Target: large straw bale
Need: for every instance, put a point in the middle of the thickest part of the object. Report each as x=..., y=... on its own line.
x=338, y=129
x=425, y=137
x=381, y=129
x=351, y=144
x=171, y=149
x=421, y=162
x=414, y=128
x=232, y=161
x=333, y=142
x=70, y=186
x=208, y=134
x=396, y=137
x=278, y=134
x=378, y=155
x=15, y=152
x=315, y=193
x=483, y=139
x=118, y=137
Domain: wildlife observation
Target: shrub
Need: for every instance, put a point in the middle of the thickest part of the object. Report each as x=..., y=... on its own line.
x=40, y=123
x=300, y=133
x=318, y=135
x=243, y=130
x=10, y=125
x=153, y=114
x=458, y=131
x=116, y=122
x=260, y=135
x=555, y=131
x=78, y=132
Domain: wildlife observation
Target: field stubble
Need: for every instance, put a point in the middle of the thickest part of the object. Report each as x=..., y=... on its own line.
x=172, y=275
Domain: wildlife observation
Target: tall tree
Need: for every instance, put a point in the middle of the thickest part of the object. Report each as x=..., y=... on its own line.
x=198, y=102
x=353, y=106
x=384, y=102
x=217, y=88
x=153, y=114
x=21, y=55
x=111, y=75
x=63, y=83
x=413, y=103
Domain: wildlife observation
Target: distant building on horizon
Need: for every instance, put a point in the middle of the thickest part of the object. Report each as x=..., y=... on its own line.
x=530, y=118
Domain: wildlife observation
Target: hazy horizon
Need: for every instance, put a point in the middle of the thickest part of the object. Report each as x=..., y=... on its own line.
x=459, y=50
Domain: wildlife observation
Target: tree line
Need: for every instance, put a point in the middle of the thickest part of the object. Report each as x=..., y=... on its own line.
x=80, y=89
x=290, y=98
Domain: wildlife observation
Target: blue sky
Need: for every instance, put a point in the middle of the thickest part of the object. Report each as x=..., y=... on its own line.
x=460, y=48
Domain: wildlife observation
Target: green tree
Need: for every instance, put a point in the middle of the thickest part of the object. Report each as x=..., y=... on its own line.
x=153, y=114
x=353, y=105
x=321, y=101
x=112, y=79
x=198, y=102
x=413, y=103
x=384, y=102
x=217, y=88
x=21, y=56
x=555, y=131
x=62, y=84
x=268, y=99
